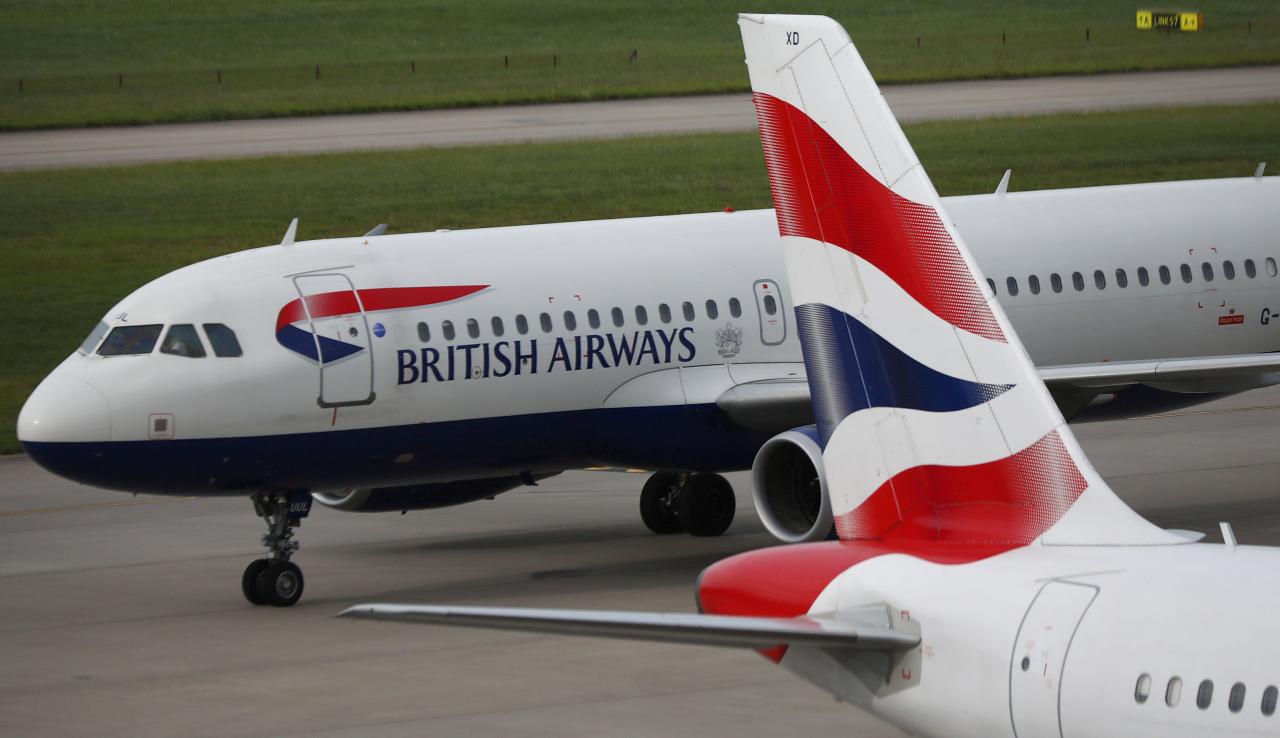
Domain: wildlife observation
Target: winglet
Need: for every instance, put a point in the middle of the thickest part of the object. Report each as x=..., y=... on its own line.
x=290, y=233
x=1003, y=187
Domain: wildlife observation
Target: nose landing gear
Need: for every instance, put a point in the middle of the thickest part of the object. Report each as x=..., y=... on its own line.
x=276, y=580
x=701, y=504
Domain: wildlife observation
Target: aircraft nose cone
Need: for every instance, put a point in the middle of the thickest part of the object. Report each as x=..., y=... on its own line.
x=64, y=409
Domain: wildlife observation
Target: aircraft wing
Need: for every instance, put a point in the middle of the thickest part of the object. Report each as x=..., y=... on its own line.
x=775, y=405
x=1115, y=373
x=703, y=630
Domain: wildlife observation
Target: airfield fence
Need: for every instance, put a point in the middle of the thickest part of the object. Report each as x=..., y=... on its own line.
x=427, y=70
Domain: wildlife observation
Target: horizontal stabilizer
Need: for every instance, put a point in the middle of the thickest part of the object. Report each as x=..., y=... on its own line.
x=693, y=629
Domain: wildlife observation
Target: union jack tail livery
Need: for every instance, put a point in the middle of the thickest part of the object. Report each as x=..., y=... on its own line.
x=935, y=424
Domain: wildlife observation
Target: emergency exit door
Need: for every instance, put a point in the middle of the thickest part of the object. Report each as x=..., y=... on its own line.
x=1040, y=657
x=773, y=316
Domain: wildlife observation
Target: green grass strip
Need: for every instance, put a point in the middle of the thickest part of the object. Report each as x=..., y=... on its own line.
x=77, y=241
x=70, y=63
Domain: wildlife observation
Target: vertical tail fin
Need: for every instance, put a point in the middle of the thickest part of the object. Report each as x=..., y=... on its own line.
x=935, y=423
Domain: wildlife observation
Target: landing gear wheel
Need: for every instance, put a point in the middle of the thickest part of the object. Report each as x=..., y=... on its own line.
x=705, y=505
x=280, y=584
x=249, y=581
x=657, y=508
x=273, y=580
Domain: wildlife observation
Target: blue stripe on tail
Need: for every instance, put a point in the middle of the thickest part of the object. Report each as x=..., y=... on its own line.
x=852, y=368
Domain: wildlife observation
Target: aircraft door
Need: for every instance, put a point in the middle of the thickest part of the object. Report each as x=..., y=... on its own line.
x=341, y=332
x=1040, y=657
x=773, y=316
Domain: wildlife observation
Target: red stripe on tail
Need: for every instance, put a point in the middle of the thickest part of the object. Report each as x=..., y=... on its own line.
x=820, y=192
x=1010, y=501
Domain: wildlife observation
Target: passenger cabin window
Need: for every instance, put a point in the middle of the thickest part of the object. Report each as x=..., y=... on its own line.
x=570, y=321
x=593, y=318
x=713, y=311
x=424, y=333
x=1164, y=275
x=182, y=340
x=664, y=313
x=1144, y=279
x=1250, y=270
x=642, y=315
x=1228, y=270
x=1235, y=700
x=1122, y=279
x=544, y=321
x=130, y=340
x=1207, y=270
x=522, y=325
x=95, y=337
x=687, y=309
x=1269, y=697
x=1143, y=689
x=1099, y=279
x=735, y=307
x=473, y=328
x=991, y=284
x=1033, y=283
x=1011, y=285
x=446, y=328
x=1077, y=281
x=495, y=325
x=1173, y=692
x=1270, y=264
x=770, y=305
x=1204, y=695
x=1185, y=271
x=223, y=340
x=616, y=314
x=1055, y=282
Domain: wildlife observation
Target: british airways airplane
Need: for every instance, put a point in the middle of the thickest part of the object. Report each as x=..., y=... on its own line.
x=987, y=581
x=398, y=372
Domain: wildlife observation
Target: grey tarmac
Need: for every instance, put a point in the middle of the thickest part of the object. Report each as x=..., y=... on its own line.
x=474, y=126
x=122, y=615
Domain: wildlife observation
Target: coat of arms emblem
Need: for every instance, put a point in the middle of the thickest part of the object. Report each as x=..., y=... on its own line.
x=728, y=341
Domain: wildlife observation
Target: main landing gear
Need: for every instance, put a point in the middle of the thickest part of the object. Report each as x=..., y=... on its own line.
x=276, y=580
x=701, y=504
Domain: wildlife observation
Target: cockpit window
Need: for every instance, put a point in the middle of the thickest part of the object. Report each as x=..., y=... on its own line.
x=95, y=337
x=223, y=340
x=181, y=340
x=127, y=340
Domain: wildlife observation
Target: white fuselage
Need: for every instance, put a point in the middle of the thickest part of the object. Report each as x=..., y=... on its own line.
x=595, y=342
x=1090, y=622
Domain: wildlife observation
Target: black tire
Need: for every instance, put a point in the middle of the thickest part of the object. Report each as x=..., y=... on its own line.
x=656, y=511
x=706, y=505
x=249, y=581
x=280, y=584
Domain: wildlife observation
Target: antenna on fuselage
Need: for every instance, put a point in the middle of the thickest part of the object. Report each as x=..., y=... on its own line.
x=1003, y=187
x=290, y=233
x=1262, y=167
x=377, y=230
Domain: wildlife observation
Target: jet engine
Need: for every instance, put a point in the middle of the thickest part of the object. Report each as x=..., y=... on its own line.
x=789, y=487
x=422, y=496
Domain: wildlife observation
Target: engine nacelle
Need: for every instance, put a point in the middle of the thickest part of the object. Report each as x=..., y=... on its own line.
x=789, y=487
x=422, y=496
